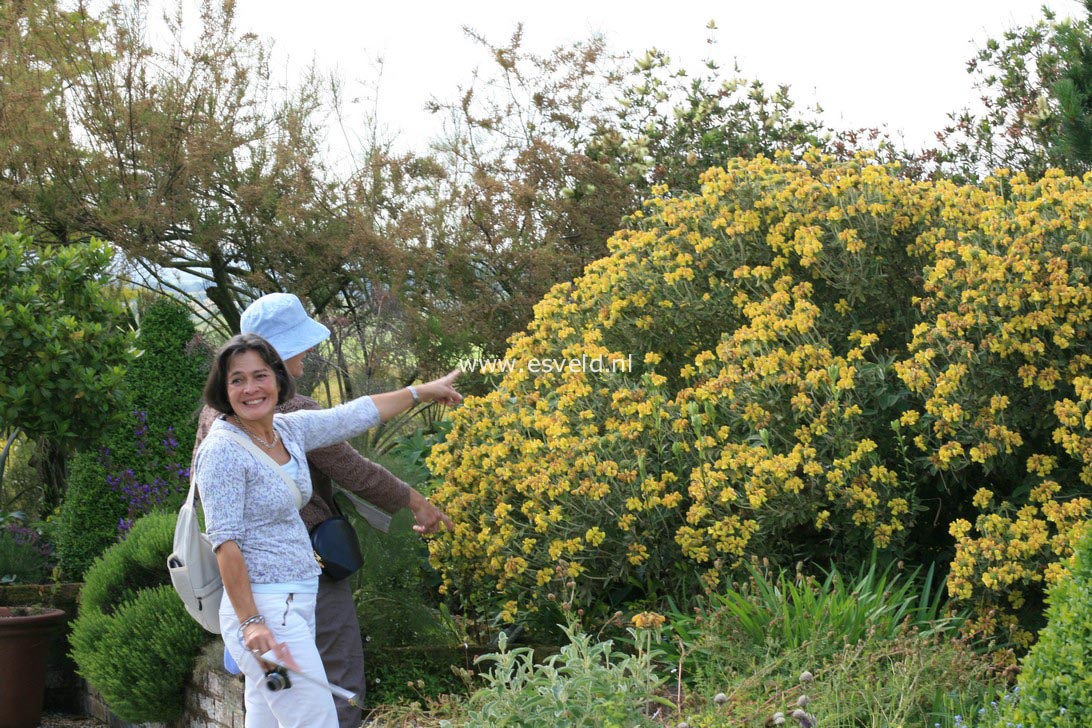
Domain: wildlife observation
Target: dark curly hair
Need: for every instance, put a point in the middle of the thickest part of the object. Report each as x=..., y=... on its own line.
x=216, y=385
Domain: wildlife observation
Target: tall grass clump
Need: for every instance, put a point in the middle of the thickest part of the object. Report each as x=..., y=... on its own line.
x=875, y=648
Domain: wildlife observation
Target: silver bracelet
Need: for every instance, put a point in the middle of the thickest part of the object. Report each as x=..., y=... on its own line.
x=256, y=619
x=413, y=393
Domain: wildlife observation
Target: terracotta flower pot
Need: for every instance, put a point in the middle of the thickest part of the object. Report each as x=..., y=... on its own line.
x=24, y=641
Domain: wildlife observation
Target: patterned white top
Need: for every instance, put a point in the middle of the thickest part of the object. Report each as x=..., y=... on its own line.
x=247, y=502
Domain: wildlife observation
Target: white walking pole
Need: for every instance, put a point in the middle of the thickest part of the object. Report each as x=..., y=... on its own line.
x=338, y=692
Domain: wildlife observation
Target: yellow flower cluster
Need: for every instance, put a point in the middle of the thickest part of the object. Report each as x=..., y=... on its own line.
x=648, y=620
x=1012, y=554
x=792, y=447
x=1000, y=362
x=782, y=332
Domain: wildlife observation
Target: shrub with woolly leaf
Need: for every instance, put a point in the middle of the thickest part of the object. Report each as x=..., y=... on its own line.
x=588, y=683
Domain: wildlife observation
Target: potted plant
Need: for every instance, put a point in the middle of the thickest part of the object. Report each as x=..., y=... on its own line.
x=28, y=577
x=24, y=642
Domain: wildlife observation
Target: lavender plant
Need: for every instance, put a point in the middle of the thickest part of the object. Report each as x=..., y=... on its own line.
x=155, y=476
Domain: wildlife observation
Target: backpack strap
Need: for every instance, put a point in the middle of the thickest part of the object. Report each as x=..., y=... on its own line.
x=193, y=488
x=264, y=456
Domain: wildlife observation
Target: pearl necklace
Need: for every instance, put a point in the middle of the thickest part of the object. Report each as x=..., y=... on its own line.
x=255, y=438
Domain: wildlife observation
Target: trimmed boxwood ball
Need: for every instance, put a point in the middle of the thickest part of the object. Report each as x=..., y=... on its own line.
x=133, y=640
x=1055, y=684
x=141, y=658
x=138, y=562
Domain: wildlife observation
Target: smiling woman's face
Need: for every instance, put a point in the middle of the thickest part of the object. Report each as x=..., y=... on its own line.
x=251, y=386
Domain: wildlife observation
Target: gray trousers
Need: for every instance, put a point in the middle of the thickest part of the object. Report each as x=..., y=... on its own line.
x=337, y=636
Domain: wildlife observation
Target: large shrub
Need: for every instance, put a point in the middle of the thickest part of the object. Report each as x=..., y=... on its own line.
x=133, y=640
x=64, y=356
x=777, y=332
x=759, y=319
x=143, y=463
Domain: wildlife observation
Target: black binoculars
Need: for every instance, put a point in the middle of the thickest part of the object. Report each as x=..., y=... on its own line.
x=277, y=679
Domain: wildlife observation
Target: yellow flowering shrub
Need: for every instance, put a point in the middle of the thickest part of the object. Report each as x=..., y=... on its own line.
x=751, y=321
x=804, y=361
x=999, y=365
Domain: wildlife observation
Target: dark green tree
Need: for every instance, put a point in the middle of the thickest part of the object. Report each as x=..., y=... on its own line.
x=1073, y=93
x=1035, y=84
x=142, y=463
x=166, y=381
x=65, y=348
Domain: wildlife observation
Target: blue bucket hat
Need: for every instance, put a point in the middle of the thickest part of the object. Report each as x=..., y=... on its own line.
x=279, y=318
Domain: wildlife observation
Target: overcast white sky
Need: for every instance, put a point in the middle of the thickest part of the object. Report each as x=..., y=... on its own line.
x=897, y=63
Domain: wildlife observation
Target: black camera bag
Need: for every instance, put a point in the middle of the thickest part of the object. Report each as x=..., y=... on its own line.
x=336, y=547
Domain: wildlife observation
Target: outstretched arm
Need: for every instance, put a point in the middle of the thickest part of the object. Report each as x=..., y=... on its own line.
x=320, y=428
x=371, y=481
x=391, y=404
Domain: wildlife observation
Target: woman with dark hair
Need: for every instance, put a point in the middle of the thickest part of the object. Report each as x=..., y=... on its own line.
x=252, y=517
x=281, y=320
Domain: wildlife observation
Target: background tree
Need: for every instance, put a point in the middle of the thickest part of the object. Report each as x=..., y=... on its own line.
x=548, y=155
x=185, y=155
x=1035, y=86
x=65, y=348
x=200, y=169
x=524, y=206
x=668, y=124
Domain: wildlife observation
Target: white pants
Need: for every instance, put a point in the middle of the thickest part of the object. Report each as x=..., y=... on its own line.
x=291, y=617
